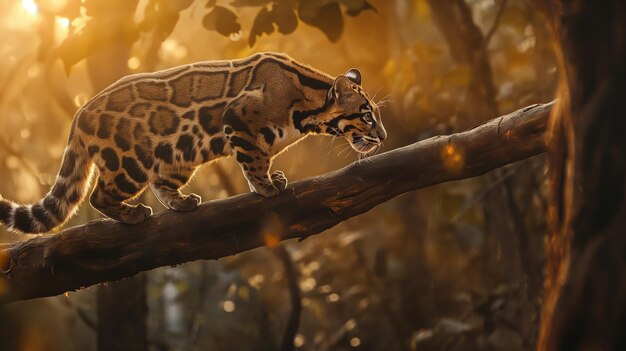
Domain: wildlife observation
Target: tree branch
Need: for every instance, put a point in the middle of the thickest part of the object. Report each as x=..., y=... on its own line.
x=105, y=250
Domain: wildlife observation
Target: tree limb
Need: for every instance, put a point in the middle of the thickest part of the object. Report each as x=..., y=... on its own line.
x=105, y=250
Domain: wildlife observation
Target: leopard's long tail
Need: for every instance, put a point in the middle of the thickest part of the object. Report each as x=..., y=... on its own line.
x=61, y=202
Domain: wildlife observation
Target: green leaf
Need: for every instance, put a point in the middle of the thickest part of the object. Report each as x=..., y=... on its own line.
x=221, y=20
x=250, y=3
x=355, y=7
x=158, y=16
x=284, y=16
x=324, y=15
x=179, y=5
x=263, y=23
x=77, y=46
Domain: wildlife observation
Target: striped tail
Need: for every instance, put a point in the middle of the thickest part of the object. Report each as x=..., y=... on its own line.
x=61, y=202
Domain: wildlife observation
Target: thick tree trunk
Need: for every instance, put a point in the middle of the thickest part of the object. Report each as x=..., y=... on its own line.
x=122, y=313
x=585, y=303
x=104, y=250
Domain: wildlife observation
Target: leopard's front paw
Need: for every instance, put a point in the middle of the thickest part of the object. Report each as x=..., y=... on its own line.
x=266, y=190
x=279, y=180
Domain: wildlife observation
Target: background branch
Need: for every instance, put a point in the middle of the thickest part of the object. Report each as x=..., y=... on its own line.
x=105, y=250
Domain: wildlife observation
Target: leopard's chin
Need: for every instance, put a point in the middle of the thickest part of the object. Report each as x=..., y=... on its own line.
x=363, y=147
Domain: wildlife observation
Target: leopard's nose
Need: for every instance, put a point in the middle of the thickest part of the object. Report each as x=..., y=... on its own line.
x=381, y=132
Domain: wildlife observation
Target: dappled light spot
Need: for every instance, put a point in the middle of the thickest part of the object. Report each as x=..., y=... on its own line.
x=63, y=22
x=80, y=99
x=325, y=289
x=350, y=324
x=31, y=7
x=256, y=281
x=299, y=340
x=453, y=157
x=364, y=303
x=228, y=306
x=332, y=297
x=308, y=284
x=355, y=342
x=271, y=229
x=271, y=240
x=133, y=63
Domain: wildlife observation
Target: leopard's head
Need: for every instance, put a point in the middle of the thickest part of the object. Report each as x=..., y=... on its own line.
x=354, y=115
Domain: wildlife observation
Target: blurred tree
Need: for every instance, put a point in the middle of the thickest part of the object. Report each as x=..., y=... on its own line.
x=585, y=306
x=504, y=221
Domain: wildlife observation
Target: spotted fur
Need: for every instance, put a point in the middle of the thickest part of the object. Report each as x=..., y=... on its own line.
x=155, y=129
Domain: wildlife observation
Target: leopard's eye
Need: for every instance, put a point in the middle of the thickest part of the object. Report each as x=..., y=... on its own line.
x=367, y=118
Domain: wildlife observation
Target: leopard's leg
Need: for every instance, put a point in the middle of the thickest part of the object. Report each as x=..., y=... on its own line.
x=111, y=193
x=167, y=186
x=255, y=164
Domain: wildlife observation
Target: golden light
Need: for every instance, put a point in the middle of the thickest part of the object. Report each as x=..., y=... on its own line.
x=31, y=7
x=133, y=63
x=80, y=99
x=355, y=342
x=63, y=22
x=235, y=36
x=308, y=284
x=61, y=28
x=333, y=297
x=271, y=240
x=299, y=340
x=228, y=306
x=256, y=281
x=453, y=157
x=325, y=289
x=25, y=133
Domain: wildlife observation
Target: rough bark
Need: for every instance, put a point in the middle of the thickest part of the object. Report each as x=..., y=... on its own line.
x=585, y=300
x=104, y=250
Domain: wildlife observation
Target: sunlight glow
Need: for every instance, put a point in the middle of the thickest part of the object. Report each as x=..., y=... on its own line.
x=235, y=36
x=63, y=22
x=31, y=7
x=299, y=340
x=350, y=324
x=133, y=63
x=453, y=157
x=80, y=99
x=271, y=240
x=256, y=281
x=308, y=284
x=355, y=342
x=33, y=71
x=25, y=133
x=228, y=306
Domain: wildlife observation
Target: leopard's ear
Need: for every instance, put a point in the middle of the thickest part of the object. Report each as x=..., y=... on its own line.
x=342, y=88
x=354, y=75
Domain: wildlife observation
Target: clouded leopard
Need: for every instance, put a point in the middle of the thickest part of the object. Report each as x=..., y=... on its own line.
x=156, y=129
